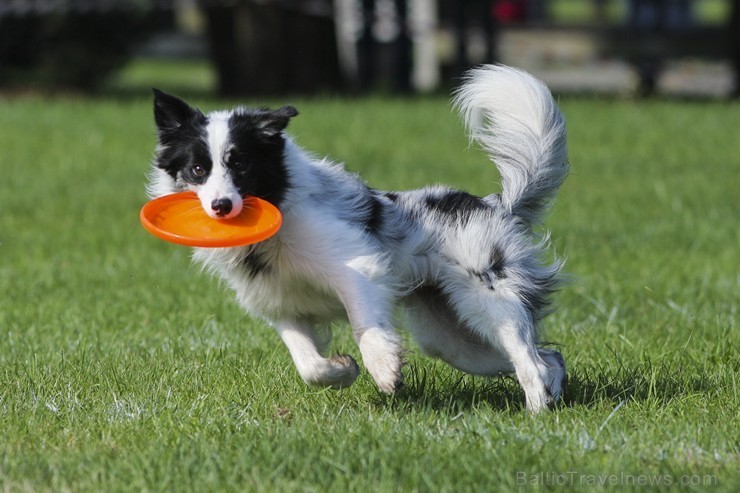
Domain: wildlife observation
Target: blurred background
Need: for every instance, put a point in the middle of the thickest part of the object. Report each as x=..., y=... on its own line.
x=244, y=48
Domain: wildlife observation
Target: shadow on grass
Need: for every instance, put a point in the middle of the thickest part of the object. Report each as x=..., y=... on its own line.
x=441, y=389
x=448, y=391
x=646, y=381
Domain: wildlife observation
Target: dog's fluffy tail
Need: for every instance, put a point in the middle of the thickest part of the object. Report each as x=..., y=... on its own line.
x=515, y=119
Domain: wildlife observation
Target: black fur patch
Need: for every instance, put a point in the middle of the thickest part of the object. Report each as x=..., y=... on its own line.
x=498, y=263
x=495, y=272
x=256, y=161
x=392, y=196
x=537, y=296
x=374, y=217
x=180, y=129
x=182, y=154
x=255, y=264
x=455, y=205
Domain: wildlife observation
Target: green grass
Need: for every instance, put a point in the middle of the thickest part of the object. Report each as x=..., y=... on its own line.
x=569, y=11
x=182, y=77
x=123, y=368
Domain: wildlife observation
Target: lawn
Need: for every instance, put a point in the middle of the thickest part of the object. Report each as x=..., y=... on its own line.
x=122, y=368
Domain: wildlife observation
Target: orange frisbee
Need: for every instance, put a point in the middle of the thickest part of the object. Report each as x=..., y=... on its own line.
x=180, y=218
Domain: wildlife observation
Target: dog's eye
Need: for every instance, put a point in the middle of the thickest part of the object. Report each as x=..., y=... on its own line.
x=198, y=170
x=237, y=164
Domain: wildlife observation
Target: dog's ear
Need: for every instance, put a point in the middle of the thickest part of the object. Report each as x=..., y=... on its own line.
x=273, y=122
x=171, y=112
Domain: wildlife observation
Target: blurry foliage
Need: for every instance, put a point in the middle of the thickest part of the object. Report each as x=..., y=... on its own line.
x=69, y=50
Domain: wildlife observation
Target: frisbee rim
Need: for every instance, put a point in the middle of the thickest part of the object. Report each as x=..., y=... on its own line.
x=155, y=205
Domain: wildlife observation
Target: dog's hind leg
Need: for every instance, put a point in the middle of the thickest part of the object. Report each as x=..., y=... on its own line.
x=542, y=378
x=515, y=337
x=541, y=373
x=500, y=318
x=305, y=346
x=440, y=334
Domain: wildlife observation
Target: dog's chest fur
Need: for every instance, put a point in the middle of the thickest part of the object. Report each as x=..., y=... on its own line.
x=291, y=275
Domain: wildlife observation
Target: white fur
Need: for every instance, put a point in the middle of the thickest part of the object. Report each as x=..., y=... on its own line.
x=219, y=184
x=470, y=284
x=525, y=134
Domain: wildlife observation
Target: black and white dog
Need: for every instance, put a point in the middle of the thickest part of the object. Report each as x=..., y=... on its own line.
x=469, y=271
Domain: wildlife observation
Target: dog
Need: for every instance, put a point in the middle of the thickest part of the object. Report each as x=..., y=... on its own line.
x=470, y=272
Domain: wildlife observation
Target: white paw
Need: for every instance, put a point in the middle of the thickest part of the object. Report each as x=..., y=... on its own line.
x=345, y=371
x=545, y=388
x=337, y=372
x=381, y=354
x=537, y=400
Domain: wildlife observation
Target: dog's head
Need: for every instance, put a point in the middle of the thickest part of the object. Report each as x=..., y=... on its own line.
x=222, y=156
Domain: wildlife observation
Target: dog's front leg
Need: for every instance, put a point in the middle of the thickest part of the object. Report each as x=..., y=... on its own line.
x=369, y=310
x=337, y=372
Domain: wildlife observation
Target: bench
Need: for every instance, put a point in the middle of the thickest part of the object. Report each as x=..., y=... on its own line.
x=646, y=48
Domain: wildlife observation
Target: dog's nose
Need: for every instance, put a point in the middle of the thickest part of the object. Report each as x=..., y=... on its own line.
x=221, y=206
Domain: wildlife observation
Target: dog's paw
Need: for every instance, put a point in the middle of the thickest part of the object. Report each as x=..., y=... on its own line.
x=337, y=372
x=538, y=400
x=556, y=390
x=545, y=389
x=556, y=378
x=345, y=371
x=382, y=356
x=388, y=381
x=388, y=376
